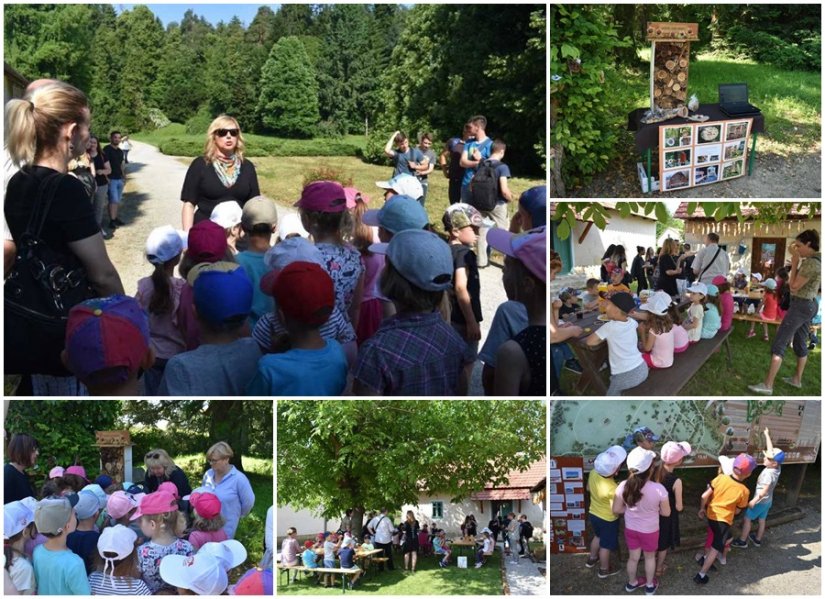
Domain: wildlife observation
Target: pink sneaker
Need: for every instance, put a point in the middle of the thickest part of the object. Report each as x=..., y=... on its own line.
x=750, y=334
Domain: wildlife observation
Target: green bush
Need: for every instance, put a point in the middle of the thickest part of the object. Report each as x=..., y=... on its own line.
x=175, y=146
x=199, y=123
x=771, y=49
x=374, y=151
x=585, y=91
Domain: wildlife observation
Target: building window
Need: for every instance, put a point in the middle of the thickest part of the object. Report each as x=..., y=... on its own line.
x=438, y=509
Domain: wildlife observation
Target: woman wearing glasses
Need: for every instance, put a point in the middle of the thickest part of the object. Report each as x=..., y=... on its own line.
x=230, y=485
x=221, y=173
x=160, y=468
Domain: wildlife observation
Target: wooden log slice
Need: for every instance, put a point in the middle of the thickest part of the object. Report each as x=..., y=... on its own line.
x=670, y=64
x=681, y=77
x=676, y=87
x=657, y=92
x=683, y=63
x=661, y=75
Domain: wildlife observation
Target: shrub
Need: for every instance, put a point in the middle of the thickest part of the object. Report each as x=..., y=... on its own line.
x=325, y=173
x=199, y=123
x=771, y=49
x=331, y=129
x=374, y=151
x=157, y=119
x=175, y=146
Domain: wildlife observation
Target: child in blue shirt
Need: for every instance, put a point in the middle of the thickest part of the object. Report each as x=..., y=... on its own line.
x=712, y=321
x=259, y=222
x=58, y=570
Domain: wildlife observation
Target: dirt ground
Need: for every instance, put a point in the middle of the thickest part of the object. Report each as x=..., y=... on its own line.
x=788, y=563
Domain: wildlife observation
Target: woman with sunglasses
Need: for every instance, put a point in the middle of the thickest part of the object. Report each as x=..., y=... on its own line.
x=222, y=171
x=159, y=469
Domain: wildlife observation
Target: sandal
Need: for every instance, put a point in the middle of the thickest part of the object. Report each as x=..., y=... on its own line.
x=766, y=338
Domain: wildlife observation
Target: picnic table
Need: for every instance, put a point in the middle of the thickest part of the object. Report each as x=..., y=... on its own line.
x=463, y=542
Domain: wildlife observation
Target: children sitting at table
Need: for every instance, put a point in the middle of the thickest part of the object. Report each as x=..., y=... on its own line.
x=590, y=300
x=656, y=332
x=739, y=280
x=424, y=541
x=616, y=284
x=680, y=336
x=487, y=547
x=367, y=544
x=442, y=547
x=627, y=367
x=725, y=301
x=767, y=308
x=712, y=320
x=346, y=555
x=696, y=313
x=569, y=303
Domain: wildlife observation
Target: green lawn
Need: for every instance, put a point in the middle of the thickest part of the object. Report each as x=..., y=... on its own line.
x=428, y=579
x=251, y=528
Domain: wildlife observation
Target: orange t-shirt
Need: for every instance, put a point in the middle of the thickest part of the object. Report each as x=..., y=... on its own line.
x=728, y=494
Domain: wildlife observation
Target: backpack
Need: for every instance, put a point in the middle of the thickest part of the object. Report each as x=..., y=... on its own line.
x=484, y=187
x=526, y=529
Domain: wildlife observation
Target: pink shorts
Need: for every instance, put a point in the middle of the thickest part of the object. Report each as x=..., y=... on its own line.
x=646, y=541
x=679, y=350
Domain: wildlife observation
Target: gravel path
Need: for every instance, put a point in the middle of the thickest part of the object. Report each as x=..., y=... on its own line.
x=152, y=199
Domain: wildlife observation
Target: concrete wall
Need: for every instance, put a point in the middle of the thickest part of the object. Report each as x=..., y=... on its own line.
x=305, y=521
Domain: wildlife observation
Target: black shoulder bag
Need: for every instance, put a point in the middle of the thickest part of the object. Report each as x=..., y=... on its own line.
x=38, y=293
x=716, y=255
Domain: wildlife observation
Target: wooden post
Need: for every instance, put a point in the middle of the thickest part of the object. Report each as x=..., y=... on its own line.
x=795, y=486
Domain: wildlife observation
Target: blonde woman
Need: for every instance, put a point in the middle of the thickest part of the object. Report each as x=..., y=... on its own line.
x=160, y=468
x=219, y=175
x=230, y=485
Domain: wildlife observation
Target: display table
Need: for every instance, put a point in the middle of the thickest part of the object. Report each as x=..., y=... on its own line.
x=647, y=135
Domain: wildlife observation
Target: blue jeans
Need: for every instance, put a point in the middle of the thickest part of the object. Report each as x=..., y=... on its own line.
x=116, y=190
x=559, y=354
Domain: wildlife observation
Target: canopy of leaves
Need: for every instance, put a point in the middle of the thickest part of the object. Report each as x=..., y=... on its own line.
x=333, y=455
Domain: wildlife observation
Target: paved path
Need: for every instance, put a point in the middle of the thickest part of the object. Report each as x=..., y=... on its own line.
x=523, y=576
x=152, y=199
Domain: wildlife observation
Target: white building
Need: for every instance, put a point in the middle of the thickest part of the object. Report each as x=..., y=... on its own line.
x=306, y=522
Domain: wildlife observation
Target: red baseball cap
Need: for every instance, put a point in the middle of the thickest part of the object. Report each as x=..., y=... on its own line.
x=305, y=292
x=169, y=487
x=158, y=502
x=323, y=196
x=256, y=581
x=207, y=505
x=207, y=242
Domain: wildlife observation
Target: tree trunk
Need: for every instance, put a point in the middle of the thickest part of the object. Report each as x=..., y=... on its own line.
x=227, y=423
x=358, y=522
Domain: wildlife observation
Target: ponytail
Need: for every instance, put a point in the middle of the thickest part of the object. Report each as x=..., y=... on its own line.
x=161, y=302
x=21, y=133
x=632, y=493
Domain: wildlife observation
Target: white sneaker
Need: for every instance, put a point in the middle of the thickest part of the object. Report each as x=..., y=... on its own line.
x=478, y=566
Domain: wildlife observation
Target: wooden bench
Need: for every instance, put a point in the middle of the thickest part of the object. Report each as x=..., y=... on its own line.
x=344, y=572
x=756, y=318
x=296, y=568
x=669, y=381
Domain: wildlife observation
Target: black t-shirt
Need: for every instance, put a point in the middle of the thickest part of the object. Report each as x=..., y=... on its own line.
x=533, y=342
x=667, y=283
x=178, y=478
x=115, y=157
x=456, y=147
x=84, y=544
x=203, y=188
x=100, y=164
x=16, y=485
x=70, y=217
x=463, y=257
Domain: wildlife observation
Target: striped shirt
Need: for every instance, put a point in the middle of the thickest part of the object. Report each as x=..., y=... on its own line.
x=117, y=585
x=337, y=327
x=412, y=354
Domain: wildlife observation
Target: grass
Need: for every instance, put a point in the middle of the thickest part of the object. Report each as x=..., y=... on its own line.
x=250, y=530
x=428, y=579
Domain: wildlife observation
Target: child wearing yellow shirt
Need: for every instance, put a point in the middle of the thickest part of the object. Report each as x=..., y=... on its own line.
x=602, y=487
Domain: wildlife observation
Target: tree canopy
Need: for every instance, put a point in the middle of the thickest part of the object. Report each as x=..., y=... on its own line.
x=336, y=455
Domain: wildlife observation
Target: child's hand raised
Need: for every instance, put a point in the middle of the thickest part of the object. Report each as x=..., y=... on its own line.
x=766, y=431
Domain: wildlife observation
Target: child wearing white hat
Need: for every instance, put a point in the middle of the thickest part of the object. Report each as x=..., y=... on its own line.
x=203, y=573
x=601, y=485
x=18, y=527
x=658, y=336
x=229, y=216
x=642, y=501
x=696, y=313
x=673, y=454
x=116, y=570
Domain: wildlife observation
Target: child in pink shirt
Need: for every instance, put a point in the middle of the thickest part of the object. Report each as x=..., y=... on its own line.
x=207, y=525
x=658, y=341
x=725, y=301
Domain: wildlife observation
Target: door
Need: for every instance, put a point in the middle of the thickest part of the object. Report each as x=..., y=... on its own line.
x=768, y=255
x=504, y=508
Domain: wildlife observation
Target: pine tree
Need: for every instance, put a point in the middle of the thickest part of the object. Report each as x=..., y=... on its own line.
x=288, y=103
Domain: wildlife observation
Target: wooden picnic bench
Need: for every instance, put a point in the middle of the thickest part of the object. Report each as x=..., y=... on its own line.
x=756, y=318
x=669, y=381
x=344, y=572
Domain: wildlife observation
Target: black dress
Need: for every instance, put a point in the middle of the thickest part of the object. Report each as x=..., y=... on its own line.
x=669, y=527
x=203, y=188
x=410, y=536
x=667, y=283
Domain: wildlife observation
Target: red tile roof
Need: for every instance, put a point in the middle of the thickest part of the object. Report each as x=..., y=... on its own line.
x=681, y=212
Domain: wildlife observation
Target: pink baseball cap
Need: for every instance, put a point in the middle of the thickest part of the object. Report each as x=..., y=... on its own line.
x=719, y=279
x=79, y=470
x=323, y=196
x=120, y=503
x=170, y=488
x=207, y=242
x=530, y=248
x=56, y=472
x=207, y=505
x=158, y=502
x=352, y=194
x=673, y=452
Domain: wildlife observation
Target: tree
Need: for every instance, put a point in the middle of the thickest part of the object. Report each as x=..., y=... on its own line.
x=369, y=454
x=288, y=103
x=179, y=65
x=293, y=20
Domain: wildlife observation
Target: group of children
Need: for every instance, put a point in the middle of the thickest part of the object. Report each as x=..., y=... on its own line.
x=652, y=497
x=348, y=300
x=86, y=538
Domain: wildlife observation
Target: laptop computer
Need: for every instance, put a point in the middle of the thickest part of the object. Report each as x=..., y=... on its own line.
x=733, y=100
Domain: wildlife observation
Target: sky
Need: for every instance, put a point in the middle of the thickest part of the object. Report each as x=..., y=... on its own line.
x=214, y=13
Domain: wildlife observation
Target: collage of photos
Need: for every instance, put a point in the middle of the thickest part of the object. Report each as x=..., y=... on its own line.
x=700, y=154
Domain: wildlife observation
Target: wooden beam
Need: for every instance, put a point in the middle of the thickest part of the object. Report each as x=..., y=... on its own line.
x=585, y=232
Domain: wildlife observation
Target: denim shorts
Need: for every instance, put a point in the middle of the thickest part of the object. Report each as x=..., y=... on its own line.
x=329, y=563
x=608, y=532
x=760, y=512
x=116, y=190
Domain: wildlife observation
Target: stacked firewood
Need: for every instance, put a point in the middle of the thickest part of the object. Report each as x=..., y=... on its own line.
x=670, y=68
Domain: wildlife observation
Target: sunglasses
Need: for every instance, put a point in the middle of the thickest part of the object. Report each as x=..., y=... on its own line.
x=152, y=456
x=223, y=132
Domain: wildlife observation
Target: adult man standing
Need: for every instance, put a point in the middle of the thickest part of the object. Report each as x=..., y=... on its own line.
x=453, y=150
x=711, y=260
x=114, y=156
x=475, y=152
x=426, y=148
x=407, y=160
x=382, y=525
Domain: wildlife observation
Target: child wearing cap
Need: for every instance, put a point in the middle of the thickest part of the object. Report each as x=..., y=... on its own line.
x=159, y=295
x=371, y=312
x=656, y=333
x=616, y=285
x=323, y=207
x=107, y=344
x=712, y=320
x=116, y=570
x=226, y=360
x=305, y=297
x=58, y=570
x=227, y=215
x=202, y=574
x=696, y=312
x=767, y=308
x=163, y=524
x=442, y=547
x=627, y=367
x=414, y=352
x=601, y=484
x=331, y=546
x=759, y=506
x=259, y=221
x=309, y=557
x=121, y=506
x=642, y=501
x=255, y=581
x=462, y=222
x=521, y=361
x=18, y=528
x=207, y=522
x=673, y=454
x=532, y=210
x=83, y=540
x=725, y=497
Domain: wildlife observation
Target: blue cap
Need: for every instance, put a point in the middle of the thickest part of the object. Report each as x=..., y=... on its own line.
x=534, y=201
x=777, y=455
x=421, y=257
x=399, y=213
x=104, y=480
x=222, y=296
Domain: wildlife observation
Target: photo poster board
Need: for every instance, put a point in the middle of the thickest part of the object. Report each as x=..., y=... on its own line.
x=695, y=154
x=568, y=518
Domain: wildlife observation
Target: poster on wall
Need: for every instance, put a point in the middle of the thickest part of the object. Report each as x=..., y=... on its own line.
x=567, y=512
x=700, y=154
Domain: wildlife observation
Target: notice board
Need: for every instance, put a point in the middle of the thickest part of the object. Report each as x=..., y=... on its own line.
x=567, y=515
